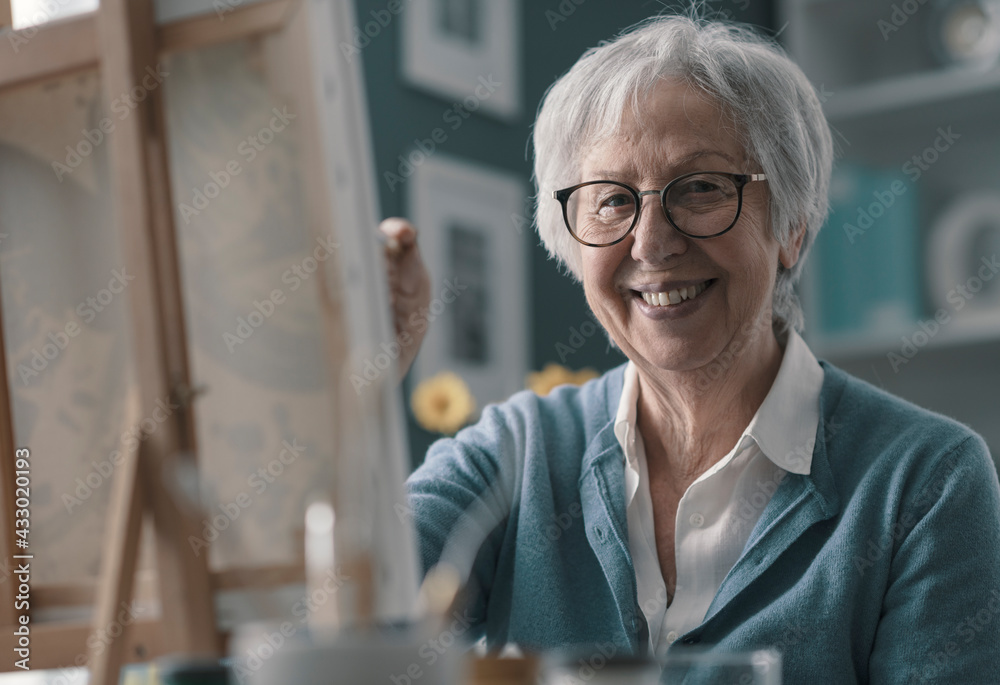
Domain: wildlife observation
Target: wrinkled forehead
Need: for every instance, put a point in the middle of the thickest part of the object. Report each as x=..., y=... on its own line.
x=669, y=125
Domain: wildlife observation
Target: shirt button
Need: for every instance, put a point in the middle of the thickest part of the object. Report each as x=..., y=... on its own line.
x=672, y=636
x=697, y=520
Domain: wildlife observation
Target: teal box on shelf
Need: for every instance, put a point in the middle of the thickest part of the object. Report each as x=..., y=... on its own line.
x=867, y=255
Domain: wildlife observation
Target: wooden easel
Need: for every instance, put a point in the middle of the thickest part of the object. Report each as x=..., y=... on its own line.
x=123, y=41
x=121, y=38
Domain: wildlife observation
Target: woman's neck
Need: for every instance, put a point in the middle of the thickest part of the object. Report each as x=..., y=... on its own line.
x=688, y=421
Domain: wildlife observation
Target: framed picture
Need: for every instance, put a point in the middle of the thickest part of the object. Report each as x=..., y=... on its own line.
x=467, y=51
x=470, y=219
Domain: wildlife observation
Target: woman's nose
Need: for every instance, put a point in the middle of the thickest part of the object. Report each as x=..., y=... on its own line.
x=654, y=238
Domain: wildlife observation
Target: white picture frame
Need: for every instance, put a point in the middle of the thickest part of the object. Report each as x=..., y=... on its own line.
x=470, y=222
x=467, y=51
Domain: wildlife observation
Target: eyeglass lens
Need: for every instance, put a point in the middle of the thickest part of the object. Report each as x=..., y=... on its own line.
x=699, y=205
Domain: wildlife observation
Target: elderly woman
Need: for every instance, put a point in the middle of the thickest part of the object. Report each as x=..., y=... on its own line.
x=723, y=487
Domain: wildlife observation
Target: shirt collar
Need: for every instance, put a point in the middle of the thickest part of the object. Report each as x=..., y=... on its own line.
x=785, y=424
x=625, y=419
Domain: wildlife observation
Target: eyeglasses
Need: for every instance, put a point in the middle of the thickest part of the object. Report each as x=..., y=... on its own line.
x=703, y=204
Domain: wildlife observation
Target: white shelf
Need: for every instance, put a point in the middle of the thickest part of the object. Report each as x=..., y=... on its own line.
x=912, y=90
x=958, y=332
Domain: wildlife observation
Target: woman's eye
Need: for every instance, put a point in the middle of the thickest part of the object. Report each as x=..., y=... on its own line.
x=702, y=191
x=699, y=187
x=617, y=201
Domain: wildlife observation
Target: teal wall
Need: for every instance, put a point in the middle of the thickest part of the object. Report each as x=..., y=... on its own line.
x=554, y=33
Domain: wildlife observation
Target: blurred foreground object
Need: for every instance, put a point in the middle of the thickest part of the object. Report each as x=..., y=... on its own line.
x=504, y=671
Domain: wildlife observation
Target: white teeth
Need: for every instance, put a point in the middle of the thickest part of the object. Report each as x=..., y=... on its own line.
x=674, y=296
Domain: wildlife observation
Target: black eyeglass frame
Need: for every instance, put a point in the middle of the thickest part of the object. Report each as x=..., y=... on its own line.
x=739, y=180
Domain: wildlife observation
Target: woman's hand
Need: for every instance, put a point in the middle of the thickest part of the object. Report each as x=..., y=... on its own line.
x=409, y=288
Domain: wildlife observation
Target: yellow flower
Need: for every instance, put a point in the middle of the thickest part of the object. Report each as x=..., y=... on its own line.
x=442, y=403
x=542, y=382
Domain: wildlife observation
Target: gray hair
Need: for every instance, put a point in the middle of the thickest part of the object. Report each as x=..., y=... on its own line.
x=777, y=112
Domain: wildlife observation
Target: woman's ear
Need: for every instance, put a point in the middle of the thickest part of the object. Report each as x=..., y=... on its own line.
x=789, y=254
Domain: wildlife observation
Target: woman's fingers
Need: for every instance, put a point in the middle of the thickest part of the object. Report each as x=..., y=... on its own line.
x=409, y=283
x=400, y=234
x=406, y=268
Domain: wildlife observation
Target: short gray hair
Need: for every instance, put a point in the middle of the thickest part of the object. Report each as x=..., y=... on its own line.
x=778, y=114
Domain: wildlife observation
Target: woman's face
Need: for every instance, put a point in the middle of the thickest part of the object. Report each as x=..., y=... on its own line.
x=682, y=131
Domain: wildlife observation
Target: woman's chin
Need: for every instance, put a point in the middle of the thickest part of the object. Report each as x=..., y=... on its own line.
x=675, y=355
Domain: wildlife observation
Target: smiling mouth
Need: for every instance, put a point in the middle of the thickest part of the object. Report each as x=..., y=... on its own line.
x=675, y=297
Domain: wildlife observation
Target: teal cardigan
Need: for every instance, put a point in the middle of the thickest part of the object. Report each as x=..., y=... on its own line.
x=882, y=565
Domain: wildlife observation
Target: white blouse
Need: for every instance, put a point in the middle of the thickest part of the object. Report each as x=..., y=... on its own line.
x=719, y=510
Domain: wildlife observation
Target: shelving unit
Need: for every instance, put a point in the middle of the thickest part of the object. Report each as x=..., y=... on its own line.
x=858, y=346
x=921, y=89
x=888, y=98
x=886, y=95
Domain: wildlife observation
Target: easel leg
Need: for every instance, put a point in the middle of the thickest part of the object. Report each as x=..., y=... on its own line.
x=142, y=203
x=120, y=559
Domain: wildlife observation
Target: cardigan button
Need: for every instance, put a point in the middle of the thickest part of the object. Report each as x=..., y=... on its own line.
x=691, y=640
